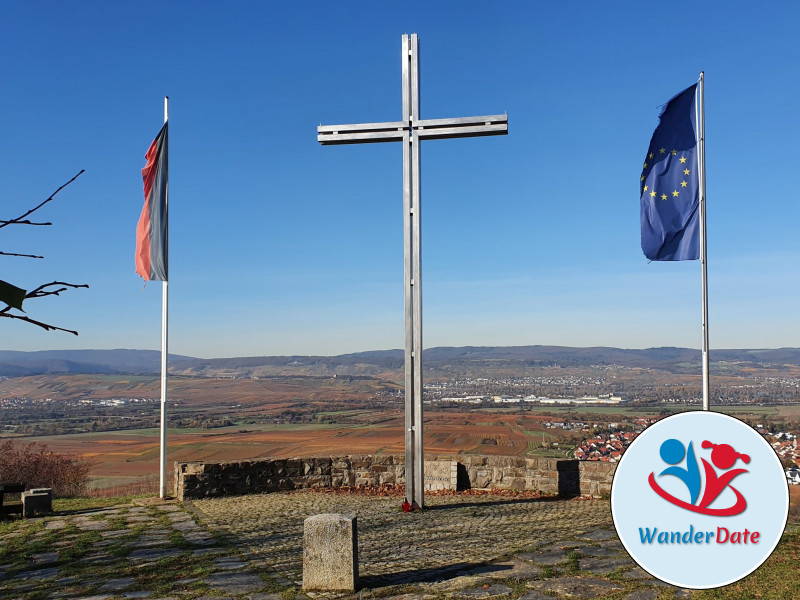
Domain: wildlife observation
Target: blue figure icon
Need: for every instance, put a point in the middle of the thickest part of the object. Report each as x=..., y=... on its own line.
x=672, y=452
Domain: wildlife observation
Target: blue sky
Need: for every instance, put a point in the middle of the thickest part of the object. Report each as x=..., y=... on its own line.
x=282, y=246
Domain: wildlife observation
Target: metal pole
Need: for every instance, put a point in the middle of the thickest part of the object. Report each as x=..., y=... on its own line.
x=419, y=433
x=164, y=315
x=701, y=173
x=408, y=274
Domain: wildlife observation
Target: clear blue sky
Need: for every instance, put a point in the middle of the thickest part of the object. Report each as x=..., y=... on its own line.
x=282, y=246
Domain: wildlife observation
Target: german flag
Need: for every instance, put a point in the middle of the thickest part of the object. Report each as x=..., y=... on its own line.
x=151, y=232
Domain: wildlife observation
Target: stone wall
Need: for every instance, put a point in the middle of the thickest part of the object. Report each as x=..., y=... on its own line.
x=548, y=475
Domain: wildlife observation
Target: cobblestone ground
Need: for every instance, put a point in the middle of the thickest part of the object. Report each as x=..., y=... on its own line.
x=250, y=547
x=459, y=546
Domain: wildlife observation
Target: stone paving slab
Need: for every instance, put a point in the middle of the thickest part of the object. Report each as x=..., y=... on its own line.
x=234, y=583
x=597, y=551
x=648, y=594
x=599, y=535
x=604, y=566
x=576, y=587
x=545, y=557
x=486, y=592
x=514, y=568
x=535, y=596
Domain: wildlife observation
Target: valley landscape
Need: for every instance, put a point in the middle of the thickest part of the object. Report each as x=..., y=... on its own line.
x=494, y=401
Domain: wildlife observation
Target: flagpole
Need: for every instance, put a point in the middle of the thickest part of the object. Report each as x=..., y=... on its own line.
x=164, y=320
x=701, y=172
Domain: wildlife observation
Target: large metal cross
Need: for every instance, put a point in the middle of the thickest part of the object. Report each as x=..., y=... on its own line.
x=411, y=131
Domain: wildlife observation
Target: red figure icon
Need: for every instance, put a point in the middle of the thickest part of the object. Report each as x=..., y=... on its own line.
x=724, y=457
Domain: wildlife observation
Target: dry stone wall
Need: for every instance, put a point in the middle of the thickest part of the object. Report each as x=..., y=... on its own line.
x=195, y=480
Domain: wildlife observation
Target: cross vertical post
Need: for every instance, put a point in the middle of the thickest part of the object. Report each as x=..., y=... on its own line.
x=411, y=131
x=412, y=234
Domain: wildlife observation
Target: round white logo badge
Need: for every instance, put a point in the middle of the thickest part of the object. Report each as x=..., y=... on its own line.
x=699, y=499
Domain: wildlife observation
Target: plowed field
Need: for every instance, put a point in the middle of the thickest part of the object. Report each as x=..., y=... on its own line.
x=124, y=457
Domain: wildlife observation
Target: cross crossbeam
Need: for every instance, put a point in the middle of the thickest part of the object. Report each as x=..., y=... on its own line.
x=432, y=129
x=410, y=131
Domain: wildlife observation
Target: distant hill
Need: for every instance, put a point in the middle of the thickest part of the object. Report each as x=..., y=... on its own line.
x=388, y=364
x=18, y=364
x=472, y=360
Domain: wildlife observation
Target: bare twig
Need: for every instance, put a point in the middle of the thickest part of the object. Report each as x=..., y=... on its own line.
x=17, y=222
x=42, y=291
x=20, y=220
x=45, y=326
x=22, y=255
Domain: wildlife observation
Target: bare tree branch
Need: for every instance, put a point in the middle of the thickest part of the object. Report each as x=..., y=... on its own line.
x=45, y=326
x=42, y=291
x=13, y=295
x=22, y=255
x=19, y=220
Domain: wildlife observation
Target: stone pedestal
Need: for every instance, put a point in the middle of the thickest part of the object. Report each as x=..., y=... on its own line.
x=37, y=502
x=330, y=553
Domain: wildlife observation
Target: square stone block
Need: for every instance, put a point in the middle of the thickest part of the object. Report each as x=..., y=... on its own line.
x=330, y=553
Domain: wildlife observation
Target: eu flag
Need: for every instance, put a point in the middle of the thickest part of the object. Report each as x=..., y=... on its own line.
x=669, y=186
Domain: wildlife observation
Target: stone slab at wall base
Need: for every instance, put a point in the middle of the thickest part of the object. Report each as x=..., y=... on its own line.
x=194, y=480
x=441, y=475
x=330, y=553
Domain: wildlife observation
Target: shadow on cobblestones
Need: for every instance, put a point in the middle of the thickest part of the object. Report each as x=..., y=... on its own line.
x=419, y=575
x=490, y=503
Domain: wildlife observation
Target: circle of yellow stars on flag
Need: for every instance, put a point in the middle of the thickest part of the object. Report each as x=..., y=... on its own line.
x=663, y=195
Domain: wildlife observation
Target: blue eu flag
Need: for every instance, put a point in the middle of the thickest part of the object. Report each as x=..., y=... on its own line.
x=669, y=186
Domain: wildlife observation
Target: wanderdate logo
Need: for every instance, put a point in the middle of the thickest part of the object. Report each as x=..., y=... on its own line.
x=699, y=499
x=723, y=457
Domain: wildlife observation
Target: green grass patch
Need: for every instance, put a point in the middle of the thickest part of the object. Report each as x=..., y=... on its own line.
x=79, y=548
x=344, y=413
x=74, y=504
x=548, y=572
x=119, y=550
x=23, y=545
x=563, y=451
x=176, y=540
x=9, y=525
x=518, y=586
x=117, y=523
x=572, y=562
x=776, y=579
x=290, y=594
x=160, y=517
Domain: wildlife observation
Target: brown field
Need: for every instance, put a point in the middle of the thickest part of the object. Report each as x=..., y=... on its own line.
x=124, y=457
